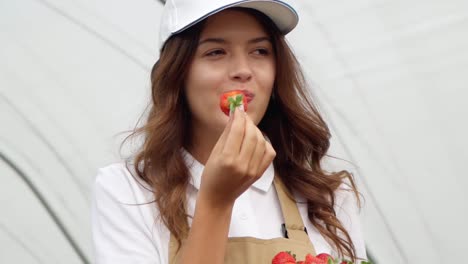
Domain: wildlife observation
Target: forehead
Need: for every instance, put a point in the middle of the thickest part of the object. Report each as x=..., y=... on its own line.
x=232, y=22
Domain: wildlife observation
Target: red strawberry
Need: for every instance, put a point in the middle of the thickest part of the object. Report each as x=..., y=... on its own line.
x=324, y=256
x=309, y=257
x=314, y=260
x=228, y=101
x=283, y=258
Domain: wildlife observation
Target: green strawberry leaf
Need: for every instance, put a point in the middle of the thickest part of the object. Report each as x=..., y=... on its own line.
x=235, y=102
x=290, y=253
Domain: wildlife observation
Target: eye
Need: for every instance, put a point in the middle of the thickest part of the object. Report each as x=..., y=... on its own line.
x=215, y=53
x=261, y=52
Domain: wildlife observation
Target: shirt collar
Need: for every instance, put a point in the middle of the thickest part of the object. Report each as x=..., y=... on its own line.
x=196, y=170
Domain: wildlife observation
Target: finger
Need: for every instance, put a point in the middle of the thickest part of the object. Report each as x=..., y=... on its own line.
x=250, y=141
x=235, y=134
x=268, y=157
x=222, y=139
x=257, y=156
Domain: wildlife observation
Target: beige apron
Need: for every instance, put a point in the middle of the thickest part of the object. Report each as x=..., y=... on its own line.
x=261, y=251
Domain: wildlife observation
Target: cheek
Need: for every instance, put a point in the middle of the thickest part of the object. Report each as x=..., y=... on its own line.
x=203, y=76
x=200, y=86
x=266, y=77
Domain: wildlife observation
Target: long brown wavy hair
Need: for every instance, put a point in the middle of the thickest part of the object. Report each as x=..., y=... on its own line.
x=292, y=122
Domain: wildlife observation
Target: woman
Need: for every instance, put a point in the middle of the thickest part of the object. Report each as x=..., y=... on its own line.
x=208, y=188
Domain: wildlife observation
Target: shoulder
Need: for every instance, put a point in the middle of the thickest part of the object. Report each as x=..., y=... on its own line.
x=120, y=181
x=113, y=173
x=123, y=219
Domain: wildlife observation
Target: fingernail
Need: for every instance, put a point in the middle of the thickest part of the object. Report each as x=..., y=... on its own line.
x=242, y=110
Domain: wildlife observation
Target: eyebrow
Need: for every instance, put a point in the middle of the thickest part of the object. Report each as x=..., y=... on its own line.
x=223, y=41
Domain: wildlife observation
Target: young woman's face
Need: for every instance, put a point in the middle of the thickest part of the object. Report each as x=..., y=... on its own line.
x=234, y=53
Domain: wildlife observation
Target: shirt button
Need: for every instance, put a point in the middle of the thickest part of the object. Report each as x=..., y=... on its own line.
x=243, y=216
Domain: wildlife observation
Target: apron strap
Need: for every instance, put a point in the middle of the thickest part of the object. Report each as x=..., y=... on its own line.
x=293, y=227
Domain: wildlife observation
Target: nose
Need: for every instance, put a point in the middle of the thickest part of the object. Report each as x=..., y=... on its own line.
x=240, y=69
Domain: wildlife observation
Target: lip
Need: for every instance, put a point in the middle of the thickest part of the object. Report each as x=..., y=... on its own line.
x=249, y=95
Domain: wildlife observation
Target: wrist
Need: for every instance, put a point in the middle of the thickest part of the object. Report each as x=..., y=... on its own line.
x=215, y=205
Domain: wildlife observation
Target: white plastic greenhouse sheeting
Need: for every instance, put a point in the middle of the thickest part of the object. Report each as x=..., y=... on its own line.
x=390, y=76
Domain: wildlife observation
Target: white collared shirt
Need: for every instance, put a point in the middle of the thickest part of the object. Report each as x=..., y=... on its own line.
x=128, y=233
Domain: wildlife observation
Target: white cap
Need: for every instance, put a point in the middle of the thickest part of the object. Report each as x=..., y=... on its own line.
x=179, y=15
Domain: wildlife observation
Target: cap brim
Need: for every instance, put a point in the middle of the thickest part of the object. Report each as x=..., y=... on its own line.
x=282, y=14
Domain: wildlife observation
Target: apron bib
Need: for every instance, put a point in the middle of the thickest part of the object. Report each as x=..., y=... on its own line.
x=262, y=251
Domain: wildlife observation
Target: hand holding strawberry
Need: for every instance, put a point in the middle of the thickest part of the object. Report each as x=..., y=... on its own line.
x=238, y=159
